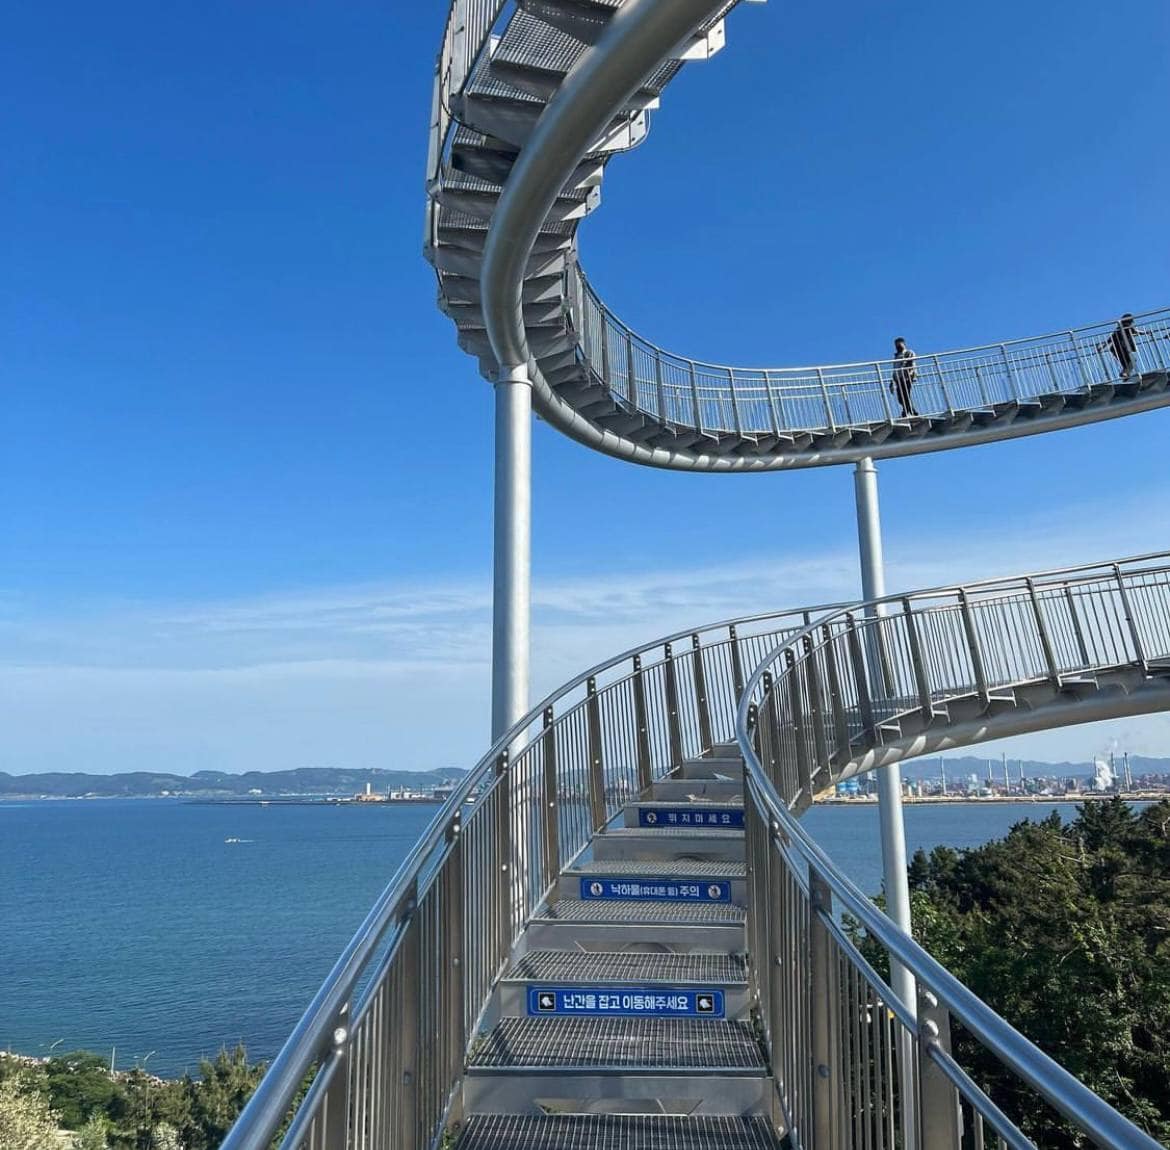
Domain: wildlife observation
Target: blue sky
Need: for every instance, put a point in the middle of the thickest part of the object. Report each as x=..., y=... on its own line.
x=245, y=470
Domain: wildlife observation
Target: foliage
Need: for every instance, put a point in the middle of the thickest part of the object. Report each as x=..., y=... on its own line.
x=74, y=1103
x=27, y=1121
x=1065, y=932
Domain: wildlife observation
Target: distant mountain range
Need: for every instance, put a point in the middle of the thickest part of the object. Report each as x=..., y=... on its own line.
x=145, y=784
x=345, y=781
x=959, y=766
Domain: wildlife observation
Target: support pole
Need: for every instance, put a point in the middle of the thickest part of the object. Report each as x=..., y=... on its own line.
x=890, y=816
x=513, y=549
x=893, y=830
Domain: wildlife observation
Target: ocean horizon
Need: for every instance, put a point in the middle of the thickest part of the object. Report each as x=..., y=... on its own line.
x=162, y=930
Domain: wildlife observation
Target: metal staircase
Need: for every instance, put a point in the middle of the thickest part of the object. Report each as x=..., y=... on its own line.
x=501, y=66
x=552, y=965
x=616, y=932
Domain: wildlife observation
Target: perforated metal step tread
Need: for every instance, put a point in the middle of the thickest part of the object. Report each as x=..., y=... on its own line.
x=623, y=967
x=668, y=831
x=619, y=910
x=650, y=1044
x=651, y=868
x=615, y=1132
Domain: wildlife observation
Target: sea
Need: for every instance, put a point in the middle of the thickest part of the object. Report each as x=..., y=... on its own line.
x=156, y=931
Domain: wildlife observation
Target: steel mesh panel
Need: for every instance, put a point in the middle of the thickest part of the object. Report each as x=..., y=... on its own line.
x=615, y=1132
x=624, y=966
x=618, y=1043
x=675, y=831
x=617, y=910
x=668, y=872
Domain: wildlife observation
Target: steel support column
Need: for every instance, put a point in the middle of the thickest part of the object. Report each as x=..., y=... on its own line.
x=511, y=591
x=890, y=815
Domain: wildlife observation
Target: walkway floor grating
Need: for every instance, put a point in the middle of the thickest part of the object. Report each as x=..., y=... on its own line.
x=627, y=967
x=615, y=1132
x=629, y=1044
x=639, y=910
x=703, y=868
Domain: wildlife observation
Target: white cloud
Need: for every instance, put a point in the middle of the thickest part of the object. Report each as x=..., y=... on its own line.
x=397, y=675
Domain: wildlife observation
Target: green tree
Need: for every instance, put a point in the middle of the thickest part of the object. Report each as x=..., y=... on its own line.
x=80, y=1085
x=217, y=1097
x=93, y=1135
x=1065, y=931
x=27, y=1121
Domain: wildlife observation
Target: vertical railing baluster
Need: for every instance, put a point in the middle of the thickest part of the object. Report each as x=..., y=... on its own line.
x=736, y=663
x=1011, y=372
x=695, y=398
x=336, y=1102
x=551, y=813
x=827, y=1117
x=803, y=765
x=1086, y=378
x=658, y=389
x=452, y=980
x=405, y=1092
x=921, y=683
x=1042, y=632
x=825, y=396
x=938, y=1101
x=860, y=675
x=734, y=401
x=841, y=752
x=877, y=367
x=642, y=734
x=673, y=724
x=502, y=914
x=597, y=799
x=702, y=703
x=974, y=653
x=1139, y=651
x=631, y=381
x=816, y=708
x=1078, y=630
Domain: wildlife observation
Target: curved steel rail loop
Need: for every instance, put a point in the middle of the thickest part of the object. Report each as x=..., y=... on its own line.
x=532, y=100
x=825, y=693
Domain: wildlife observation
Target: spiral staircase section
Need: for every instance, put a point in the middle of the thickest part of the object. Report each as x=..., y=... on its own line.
x=532, y=100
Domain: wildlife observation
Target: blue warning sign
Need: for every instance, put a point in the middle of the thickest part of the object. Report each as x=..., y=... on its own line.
x=655, y=889
x=625, y=1001
x=689, y=817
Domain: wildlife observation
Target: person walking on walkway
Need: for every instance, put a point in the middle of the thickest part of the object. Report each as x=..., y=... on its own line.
x=905, y=373
x=1123, y=343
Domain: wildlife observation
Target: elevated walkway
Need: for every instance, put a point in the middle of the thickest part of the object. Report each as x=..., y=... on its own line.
x=552, y=965
x=636, y=1004
x=597, y=379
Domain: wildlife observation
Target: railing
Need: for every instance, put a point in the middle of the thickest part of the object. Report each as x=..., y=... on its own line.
x=383, y=1041
x=881, y=1073
x=720, y=399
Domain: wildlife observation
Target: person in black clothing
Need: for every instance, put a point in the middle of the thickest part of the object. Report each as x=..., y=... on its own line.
x=905, y=374
x=1123, y=343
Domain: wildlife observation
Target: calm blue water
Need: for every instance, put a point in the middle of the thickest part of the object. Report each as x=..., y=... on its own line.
x=133, y=924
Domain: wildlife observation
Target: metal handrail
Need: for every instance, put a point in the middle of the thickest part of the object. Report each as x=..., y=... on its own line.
x=798, y=686
x=720, y=398
x=323, y=1033
x=595, y=741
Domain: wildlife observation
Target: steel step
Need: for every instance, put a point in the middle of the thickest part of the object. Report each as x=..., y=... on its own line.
x=727, y=768
x=621, y=1045
x=669, y=844
x=624, y=982
x=704, y=813
x=676, y=790
x=615, y=1132
x=686, y=883
x=590, y=911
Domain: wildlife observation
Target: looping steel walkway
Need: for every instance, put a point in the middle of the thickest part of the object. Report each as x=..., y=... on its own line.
x=601, y=382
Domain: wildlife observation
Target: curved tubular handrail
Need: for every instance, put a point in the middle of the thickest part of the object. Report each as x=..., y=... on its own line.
x=722, y=417
x=597, y=87
x=333, y=1012
x=610, y=692
x=827, y=399
x=886, y=657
